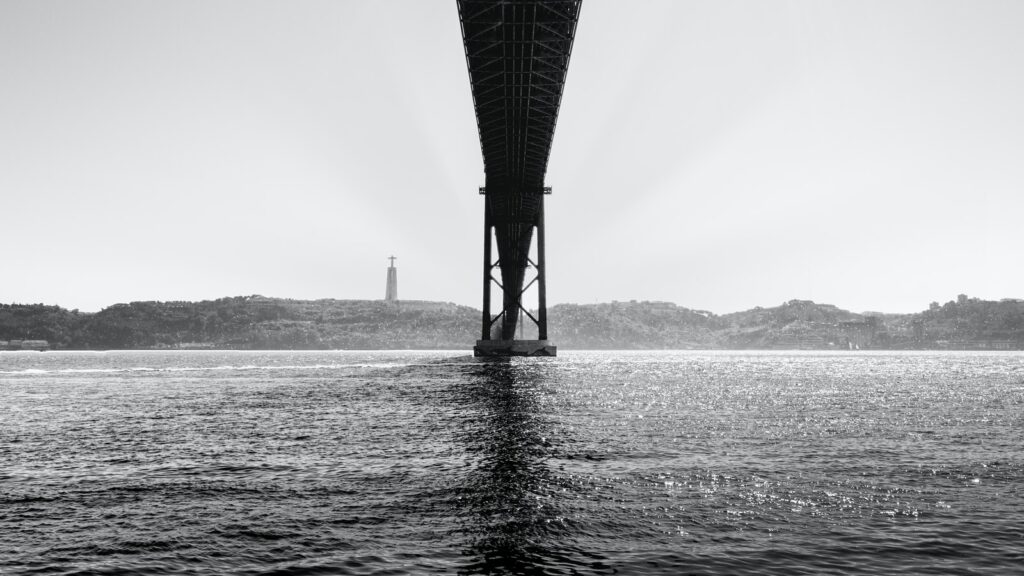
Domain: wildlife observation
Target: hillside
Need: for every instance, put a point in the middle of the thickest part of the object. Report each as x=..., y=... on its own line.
x=251, y=322
x=794, y=324
x=256, y=322
x=632, y=325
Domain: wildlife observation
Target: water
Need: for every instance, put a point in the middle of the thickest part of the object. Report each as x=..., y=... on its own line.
x=590, y=463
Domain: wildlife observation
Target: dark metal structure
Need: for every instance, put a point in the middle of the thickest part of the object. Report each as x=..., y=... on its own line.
x=517, y=52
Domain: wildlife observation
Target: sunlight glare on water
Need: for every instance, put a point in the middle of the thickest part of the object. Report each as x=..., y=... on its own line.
x=433, y=462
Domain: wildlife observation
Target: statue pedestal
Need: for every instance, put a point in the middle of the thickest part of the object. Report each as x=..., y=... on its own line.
x=505, y=348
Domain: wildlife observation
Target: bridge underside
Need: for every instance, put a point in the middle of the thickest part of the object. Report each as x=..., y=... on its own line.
x=517, y=52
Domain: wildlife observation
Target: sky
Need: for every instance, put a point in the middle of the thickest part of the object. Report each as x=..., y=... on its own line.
x=719, y=154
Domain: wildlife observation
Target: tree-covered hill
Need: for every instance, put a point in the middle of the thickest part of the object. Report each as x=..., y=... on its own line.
x=250, y=322
x=966, y=323
x=970, y=320
x=256, y=322
x=631, y=325
x=39, y=322
x=794, y=324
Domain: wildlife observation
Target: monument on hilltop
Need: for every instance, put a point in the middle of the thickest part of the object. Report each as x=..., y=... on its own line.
x=391, y=294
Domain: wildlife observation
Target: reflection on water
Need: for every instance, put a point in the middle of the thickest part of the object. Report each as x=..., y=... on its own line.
x=506, y=500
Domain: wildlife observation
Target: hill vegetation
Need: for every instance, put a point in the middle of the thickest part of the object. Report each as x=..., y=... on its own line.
x=256, y=322
x=248, y=323
x=963, y=324
x=632, y=325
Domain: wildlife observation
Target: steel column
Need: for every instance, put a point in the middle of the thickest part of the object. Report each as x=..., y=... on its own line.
x=485, y=333
x=542, y=277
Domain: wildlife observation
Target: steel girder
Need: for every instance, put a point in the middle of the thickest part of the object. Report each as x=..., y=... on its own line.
x=517, y=52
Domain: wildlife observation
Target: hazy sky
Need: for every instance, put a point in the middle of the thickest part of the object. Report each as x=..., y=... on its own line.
x=717, y=154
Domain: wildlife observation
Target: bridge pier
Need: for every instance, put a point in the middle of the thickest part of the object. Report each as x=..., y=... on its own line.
x=505, y=344
x=517, y=55
x=506, y=348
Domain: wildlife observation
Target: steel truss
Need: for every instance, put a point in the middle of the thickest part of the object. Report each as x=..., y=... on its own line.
x=517, y=53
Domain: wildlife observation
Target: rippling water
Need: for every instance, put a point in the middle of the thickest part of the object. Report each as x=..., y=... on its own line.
x=590, y=463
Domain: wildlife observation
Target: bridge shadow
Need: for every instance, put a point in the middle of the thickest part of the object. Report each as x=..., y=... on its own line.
x=512, y=503
x=506, y=497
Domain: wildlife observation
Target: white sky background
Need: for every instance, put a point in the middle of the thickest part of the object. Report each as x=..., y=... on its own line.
x=717, y=154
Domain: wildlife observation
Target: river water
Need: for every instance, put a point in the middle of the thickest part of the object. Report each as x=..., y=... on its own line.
x=589, y=463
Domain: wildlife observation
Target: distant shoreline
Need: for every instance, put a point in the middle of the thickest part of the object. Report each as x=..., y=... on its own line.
x=468, y=351
x=261, y=323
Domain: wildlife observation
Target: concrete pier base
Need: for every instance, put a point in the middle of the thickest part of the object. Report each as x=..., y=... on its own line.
x=505, y=348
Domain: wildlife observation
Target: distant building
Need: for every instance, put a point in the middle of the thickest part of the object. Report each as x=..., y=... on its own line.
x=391, y=294
x=14, y=345
x=859, y=333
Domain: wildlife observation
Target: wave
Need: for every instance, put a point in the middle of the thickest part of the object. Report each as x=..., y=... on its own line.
x=246, y=367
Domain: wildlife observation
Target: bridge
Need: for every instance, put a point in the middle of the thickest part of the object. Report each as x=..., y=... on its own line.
x=517, y=52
